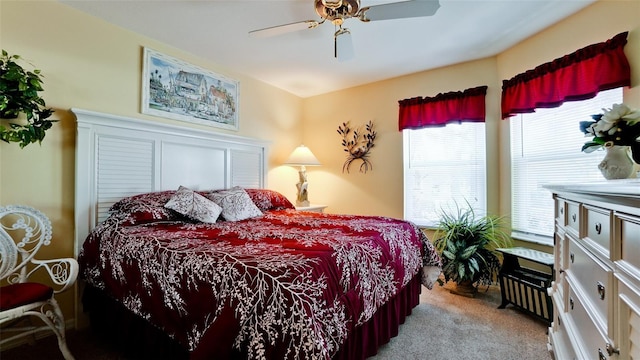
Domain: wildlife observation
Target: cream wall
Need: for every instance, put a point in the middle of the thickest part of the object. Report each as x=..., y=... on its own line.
x=596, y=23
x=381, y=191
x=93, y=65
x=90, y=64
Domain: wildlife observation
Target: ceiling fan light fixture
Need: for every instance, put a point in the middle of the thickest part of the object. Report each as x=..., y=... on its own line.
x=346, y=8
x=332, y=4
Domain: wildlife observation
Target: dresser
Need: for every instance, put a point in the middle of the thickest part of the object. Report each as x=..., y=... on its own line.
x=596, y=287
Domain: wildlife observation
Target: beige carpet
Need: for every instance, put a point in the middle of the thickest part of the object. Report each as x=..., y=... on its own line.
x=443, y=326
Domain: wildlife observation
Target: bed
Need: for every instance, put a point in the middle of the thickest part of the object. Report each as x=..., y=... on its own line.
x=217, y=265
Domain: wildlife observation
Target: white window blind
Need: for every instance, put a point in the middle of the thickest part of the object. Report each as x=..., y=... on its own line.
x=546, y=148
x=444, y=167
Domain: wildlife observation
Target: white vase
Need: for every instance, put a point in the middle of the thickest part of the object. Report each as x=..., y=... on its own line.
x=616, y=163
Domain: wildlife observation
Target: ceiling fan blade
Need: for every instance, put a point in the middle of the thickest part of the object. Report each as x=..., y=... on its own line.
x=283, y=29
x=343, y=45
x=398, y=10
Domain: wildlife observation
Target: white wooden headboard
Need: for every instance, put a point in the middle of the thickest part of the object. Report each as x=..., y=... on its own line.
x=118, y=156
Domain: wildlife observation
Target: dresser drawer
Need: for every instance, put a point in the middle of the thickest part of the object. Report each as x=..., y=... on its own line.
x=628, y=302
x=629, y=232
x=573, y=218
x=598, y=228
x=559, y=341
x=593, y=341
x=561, y=218
x=594, y=280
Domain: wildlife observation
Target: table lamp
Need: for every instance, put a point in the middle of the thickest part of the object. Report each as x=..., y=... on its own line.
x=302, y=157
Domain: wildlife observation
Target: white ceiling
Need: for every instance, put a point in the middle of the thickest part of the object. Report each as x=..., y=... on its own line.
x=302, y=62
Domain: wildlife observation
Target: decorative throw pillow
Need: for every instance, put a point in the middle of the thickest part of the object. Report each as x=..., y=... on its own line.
x=267, y=200
x=144, y=208
x=134, y=202
x=193, y=205
x=236, y=204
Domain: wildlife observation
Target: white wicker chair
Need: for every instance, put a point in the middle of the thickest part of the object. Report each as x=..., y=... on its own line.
x=23, y=231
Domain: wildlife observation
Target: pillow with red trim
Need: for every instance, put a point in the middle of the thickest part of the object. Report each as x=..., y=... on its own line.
x=267, y=200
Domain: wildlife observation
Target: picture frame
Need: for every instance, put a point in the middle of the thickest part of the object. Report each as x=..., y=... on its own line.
x=175, y=89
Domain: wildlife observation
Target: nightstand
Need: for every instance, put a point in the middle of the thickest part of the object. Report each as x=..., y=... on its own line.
x=312, y=207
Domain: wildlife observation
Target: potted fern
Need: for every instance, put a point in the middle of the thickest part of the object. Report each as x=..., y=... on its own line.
x=467, y=245
x=19, y=97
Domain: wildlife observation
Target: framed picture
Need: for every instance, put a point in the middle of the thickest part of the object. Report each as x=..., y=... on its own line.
x=175, y=89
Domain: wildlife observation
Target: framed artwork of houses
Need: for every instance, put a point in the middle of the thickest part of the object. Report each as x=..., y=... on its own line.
x=175, y=89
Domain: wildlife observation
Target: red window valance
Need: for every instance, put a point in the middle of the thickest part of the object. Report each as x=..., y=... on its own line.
x=455, y=106
x=577, y=76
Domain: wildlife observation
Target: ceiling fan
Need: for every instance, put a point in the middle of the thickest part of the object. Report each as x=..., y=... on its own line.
x=337, y=11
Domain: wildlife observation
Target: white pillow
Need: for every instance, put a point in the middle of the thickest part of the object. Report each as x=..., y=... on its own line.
x=236, y=204
x=193, y=205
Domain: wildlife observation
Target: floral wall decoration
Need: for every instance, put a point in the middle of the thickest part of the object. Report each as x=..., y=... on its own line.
x=357, y=143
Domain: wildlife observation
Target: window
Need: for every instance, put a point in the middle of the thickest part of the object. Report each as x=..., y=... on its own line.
x=444, y=167
x=546, y=148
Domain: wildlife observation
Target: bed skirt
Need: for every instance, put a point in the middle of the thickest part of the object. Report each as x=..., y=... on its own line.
x=365, y=340
x=139, y=339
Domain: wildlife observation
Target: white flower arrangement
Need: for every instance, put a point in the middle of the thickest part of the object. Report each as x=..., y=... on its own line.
x=619, y=125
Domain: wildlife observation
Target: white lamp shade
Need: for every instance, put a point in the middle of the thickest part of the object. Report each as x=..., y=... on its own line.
x=302, y=156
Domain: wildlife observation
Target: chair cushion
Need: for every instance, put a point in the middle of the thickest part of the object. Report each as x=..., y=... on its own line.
x=12, y=296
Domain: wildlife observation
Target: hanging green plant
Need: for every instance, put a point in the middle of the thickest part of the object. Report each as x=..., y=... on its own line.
x=19, y=95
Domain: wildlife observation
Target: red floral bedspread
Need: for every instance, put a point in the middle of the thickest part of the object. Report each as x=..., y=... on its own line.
x=298, y=281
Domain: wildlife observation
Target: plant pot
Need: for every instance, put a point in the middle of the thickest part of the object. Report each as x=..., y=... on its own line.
x=465, y=288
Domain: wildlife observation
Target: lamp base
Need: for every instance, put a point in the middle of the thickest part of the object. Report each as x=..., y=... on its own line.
x=303, y=203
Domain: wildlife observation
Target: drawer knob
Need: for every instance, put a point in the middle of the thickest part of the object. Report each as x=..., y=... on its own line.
x=561, y=211
x=572, y=257
x=612, y=350
x=598, y=228
x=573, y=217
x=601, y=290
x=571, y=303
x=601, y=355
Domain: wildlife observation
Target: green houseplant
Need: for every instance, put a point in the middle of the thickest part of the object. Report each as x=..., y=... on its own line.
x=19, y=96
x=467, y=244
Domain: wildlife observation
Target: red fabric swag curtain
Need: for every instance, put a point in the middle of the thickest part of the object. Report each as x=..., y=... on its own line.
x=577, y=76
x=455, y=106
